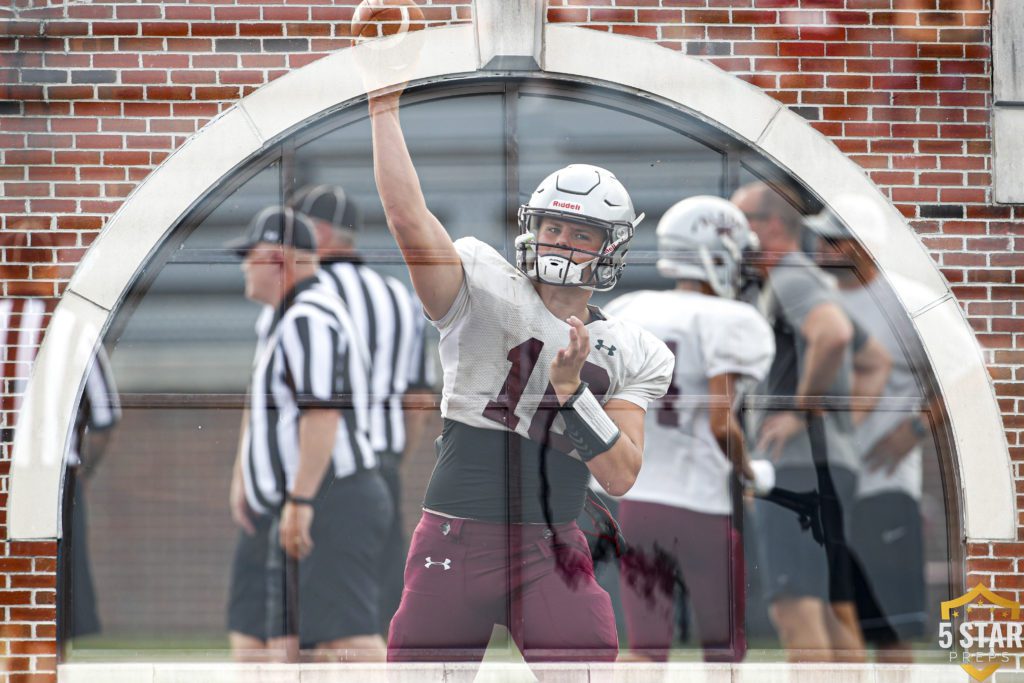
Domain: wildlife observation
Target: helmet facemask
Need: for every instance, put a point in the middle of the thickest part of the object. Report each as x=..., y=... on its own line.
x=602, y=267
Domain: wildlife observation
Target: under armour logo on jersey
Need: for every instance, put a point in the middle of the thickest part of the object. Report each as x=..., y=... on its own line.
x=601, y=347
x=447, y=564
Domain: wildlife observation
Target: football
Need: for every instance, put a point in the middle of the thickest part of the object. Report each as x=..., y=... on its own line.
x=382, y=18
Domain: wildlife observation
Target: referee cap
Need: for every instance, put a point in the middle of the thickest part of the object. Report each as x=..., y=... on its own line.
x=331, y=204
x=276, y=225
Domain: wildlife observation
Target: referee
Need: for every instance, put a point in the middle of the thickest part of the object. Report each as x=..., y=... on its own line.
x=306, y=458
x=391, y=322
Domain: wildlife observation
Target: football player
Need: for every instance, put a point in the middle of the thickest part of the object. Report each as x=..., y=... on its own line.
x=682, y=505
x=541, y=390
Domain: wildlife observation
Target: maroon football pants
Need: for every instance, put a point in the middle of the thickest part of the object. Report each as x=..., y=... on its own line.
x=462, y=577
x=707, y=554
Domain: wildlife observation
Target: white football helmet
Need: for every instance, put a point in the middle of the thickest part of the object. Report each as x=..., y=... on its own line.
x=583, y=194
x=704, y=238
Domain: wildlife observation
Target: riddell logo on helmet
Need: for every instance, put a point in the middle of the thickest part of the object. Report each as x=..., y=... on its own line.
x=569, y=206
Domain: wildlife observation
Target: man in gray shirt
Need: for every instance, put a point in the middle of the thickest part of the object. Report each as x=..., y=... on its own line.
x=886, y=529
x=809, y=586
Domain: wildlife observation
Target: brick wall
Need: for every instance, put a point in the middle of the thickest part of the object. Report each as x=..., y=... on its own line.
x=94, y=95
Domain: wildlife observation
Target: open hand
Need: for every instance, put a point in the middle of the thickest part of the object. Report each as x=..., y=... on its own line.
x=777, y=430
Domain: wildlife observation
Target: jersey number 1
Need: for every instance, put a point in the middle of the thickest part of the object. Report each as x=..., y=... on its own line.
x=524, y=359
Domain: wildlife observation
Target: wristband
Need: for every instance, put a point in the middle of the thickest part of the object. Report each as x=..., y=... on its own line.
x=299, y=500
x=764, y=477
x=589, y=428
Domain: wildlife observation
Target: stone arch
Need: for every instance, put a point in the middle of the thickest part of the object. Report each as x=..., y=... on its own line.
x=503, y=37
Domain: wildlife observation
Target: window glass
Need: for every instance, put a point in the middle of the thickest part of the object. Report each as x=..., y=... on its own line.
x=162, y=541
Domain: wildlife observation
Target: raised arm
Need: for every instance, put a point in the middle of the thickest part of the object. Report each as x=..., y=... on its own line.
x=428, y=250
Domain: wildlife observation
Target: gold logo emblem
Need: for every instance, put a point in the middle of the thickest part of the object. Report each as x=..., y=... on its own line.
x=983, y=643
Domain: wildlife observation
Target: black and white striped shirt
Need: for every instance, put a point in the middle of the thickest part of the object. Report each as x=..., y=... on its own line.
x=391, y=322
x=311, y=356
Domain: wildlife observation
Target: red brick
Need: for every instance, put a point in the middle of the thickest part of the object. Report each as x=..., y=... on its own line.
x=802, y=49
x=79, y=222
x=112, y=28
x=154, y=92
x=845, y=49
x=683, y=32
x=32, y=613
x=215, y=29
x=963, y=196
x=140, y=44
x=709, y=16
x=23, y=597
x=147, y=109
x=16, y=664
x=120, y=92
x=165, y=61
x=144, y=77
x=165, y=28
x=217, y=93
x=754, y=17
x=281, y=14
x=28, y=647
x=650, y=32
x=189, y=44
x=137, y=12
x=243, y=13
x=45, y=597
x=190, y=13
x=44, y=564
x=15, y=631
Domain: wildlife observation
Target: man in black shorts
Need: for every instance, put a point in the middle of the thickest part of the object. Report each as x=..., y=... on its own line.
x=306, y=462
x=886, y=531
x=810, y=586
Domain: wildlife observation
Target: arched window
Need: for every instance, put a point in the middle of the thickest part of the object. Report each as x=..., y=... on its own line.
x=181, y=342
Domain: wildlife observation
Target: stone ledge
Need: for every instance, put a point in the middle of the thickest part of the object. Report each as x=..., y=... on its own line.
x=511, y=673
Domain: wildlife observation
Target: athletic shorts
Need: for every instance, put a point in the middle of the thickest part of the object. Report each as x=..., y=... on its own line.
x=463, y=577
x=886, y=538
x=669, y=545
x=792, y=563
x=247, y=595
x=337, y=583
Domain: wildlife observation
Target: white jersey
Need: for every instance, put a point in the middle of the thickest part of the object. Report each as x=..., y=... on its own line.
x=498, y=341
x=683, y=464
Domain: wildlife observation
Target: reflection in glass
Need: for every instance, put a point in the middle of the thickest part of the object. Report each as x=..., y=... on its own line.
x=182, y=347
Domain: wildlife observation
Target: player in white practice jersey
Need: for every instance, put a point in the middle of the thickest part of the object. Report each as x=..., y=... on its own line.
x=679, y=512
x=540, y=391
